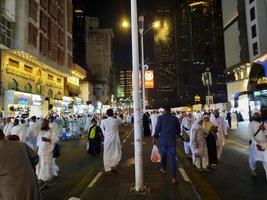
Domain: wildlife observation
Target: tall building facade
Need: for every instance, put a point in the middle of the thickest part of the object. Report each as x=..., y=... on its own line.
x=237, y=59
x=99, y=58
x=200, y=47
x=39, y=57
x=79, y=13
x=124, y=82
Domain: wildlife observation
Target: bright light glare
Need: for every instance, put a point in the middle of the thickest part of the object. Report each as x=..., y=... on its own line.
x=125, y=24
x=156, y=24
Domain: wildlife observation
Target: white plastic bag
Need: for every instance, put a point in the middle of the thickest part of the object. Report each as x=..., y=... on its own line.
x=155, y=155
x=87, y=146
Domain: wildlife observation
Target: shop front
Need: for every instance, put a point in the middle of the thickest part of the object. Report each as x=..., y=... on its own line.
x=31, y=80
x=25, y=104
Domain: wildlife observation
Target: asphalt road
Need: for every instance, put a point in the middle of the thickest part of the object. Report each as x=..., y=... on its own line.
x=231, y=180
x=77, y=169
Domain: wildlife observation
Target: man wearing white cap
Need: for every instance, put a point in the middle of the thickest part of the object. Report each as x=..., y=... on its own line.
x=218, y=121
x=258, y=143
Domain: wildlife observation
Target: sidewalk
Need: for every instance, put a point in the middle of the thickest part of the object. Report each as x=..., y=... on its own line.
x=111, y=187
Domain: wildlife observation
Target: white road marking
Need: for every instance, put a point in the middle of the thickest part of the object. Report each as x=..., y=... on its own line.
x=95, y=180
x=74, y=198
x=236, y=143
x=184, y=175
x=100, y=173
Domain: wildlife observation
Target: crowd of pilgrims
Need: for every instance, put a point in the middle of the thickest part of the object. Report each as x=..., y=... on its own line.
x=42, y=135
x=203, y=135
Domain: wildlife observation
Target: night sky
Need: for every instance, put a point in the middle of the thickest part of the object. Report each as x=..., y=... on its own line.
x=110, y=14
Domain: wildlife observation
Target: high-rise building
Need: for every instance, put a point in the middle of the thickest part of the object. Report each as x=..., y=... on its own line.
x=99, y=58
x=200, y=47
x=163, y=58
x=123, y=85
x=79, y=13
x=237, y=60
x=40, y=55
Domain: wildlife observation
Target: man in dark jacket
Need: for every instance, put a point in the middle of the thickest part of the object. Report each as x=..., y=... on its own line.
x=167, y=129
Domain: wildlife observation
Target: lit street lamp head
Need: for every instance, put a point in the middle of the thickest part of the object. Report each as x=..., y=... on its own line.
x=125, y=24
x=156, y=24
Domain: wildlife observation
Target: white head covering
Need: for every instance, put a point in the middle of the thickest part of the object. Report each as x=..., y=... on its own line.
x=206, y=115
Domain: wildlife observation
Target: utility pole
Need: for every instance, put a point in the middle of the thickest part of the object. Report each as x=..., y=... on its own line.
x=138, y=152
x=141, y=31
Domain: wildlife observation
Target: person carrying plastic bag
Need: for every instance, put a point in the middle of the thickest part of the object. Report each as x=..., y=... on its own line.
x=167, y=129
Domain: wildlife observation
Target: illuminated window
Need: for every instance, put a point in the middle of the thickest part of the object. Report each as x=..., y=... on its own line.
x=28, y=88
x=27, y=68
x=38, y=89
x=13, y=63
x=50, y=77
x=13, y=85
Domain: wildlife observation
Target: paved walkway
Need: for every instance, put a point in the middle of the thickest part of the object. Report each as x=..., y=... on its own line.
x=111, y=187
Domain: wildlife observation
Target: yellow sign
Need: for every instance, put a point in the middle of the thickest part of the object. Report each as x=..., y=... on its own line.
x=17, y=72
x=52, y=84
x=262, y=80
x=149, y=79
x=197, y=98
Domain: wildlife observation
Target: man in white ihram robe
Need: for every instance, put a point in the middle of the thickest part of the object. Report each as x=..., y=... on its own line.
x=218, y=121
x=56, y=131
x=32, y=133
x=186, y=125
x=8, y=127
x=20, y=130
x=112, y=146
x=258, y=146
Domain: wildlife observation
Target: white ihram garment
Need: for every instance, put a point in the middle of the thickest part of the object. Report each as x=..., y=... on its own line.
x=32, y=135
x=7, y=129
x=55, y=130
x=154, y=118
x=45, y=152
x=19, y=130
x=112, y=146
x=219, y=122
x=261, y=139
x=186, y=125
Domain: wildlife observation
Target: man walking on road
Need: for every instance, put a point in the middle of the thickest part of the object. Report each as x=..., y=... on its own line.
x=112, y=144
x=258, y=143
x=167, y=129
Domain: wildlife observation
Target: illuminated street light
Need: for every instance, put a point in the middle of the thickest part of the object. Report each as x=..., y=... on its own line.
x=125, y=24
x=156, y=24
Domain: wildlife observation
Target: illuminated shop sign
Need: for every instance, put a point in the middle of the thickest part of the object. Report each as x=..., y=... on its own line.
x=36, y=100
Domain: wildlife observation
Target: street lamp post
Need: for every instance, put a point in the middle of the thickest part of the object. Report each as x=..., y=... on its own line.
x=141, y=31
x=139, y=179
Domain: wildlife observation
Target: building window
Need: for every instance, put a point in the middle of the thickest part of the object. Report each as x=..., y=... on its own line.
x=28, y=88
x=255, y=49
x=50, y=93
x=58, y=80
x=13, y=63
x=33, y=9
x=250, y=1
x=38, y=89
x=50, y=77
x=32, y=35
x=252, y=14
x=38, y=72
x=6, y=32
x=13, y=85
x=27, y=68
x=254, y=31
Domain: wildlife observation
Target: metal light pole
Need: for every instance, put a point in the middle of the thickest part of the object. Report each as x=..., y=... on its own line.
x=139, y=180
x=141, y=31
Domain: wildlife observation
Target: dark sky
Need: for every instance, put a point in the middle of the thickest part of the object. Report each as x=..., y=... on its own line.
x=110, y=14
